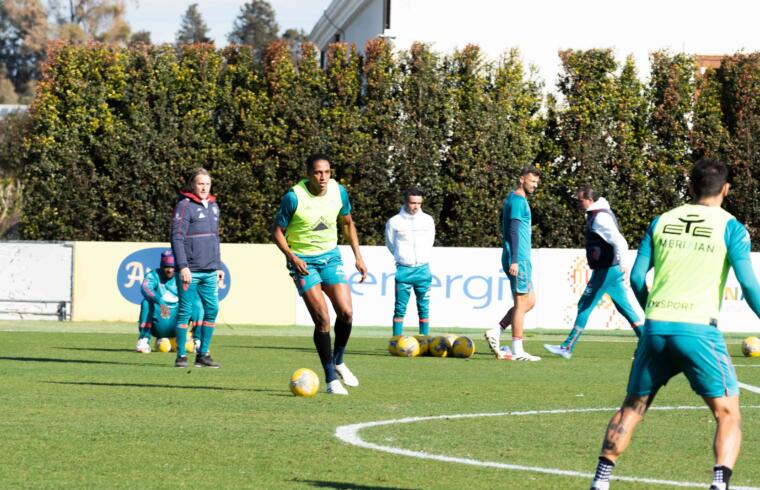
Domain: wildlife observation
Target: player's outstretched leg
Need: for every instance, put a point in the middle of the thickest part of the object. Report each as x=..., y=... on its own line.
x=340, y=297
x=315, y=303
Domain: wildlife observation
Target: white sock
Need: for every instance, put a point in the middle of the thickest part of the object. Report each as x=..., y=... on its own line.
x=517, y=347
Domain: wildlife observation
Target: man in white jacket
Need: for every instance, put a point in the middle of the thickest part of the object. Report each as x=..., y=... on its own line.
x=605, y=251
x=409, y=236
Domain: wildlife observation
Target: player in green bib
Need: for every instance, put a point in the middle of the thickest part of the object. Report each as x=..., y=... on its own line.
x=306, y=231
x=691, y=249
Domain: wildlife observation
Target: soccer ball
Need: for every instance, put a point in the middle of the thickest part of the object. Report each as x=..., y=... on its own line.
x=463, y=347
x=304, y=382
x=190, y=346
x=164, y=345
x=438, y=347
x=407, y=347
x=751, y=347
x=173, y=343
x=423, y=340
x=392, y=345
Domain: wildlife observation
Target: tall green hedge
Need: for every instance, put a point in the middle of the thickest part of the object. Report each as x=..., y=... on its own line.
x=114, y=132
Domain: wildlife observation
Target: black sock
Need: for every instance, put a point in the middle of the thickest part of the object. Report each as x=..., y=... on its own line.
x=342, y=333
x=324, y=349
x=722, y=474
x=603, y=469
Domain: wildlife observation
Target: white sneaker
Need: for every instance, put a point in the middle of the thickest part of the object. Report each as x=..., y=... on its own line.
x=600, y=485
x=143, y=347
x=524, y=356
x=346, y=374
x=493, y=336
x=558, y=350
x=335, y=388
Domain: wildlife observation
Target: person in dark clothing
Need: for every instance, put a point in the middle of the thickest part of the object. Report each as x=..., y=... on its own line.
x=195, y=243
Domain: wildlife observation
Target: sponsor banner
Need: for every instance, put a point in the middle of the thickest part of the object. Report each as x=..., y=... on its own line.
x=470, y=290
x=108, y=276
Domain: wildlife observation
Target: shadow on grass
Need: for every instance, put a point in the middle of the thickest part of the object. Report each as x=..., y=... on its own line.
x=163, y=386
x=349, y=351
x=94, y=349
x=352, y=486
x=74, y=361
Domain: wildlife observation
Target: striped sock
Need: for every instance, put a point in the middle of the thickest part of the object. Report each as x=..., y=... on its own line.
x=603, y=469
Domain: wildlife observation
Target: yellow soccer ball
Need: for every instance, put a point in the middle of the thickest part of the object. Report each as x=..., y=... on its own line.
x=423, y=340
x=463, y=347
x=407, y=346
x=392, y=345
x=164, y=345
x=304, y=382
x=173, y=343
x=751, y=347
x=190, y=346
x=438, y=347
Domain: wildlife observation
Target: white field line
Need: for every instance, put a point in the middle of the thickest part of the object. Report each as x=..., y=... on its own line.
x=350, y=435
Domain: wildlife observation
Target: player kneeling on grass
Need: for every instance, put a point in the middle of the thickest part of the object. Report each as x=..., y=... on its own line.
x=305, y=230
x=158, y=311
x=606, y=249
x=691, y=249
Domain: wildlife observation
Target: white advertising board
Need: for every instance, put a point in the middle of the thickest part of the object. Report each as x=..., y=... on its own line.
x=470, y=290
x=35, y=277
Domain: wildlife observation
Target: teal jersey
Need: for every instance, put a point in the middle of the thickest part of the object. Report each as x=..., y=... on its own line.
x=515, y=228
x=159, y=290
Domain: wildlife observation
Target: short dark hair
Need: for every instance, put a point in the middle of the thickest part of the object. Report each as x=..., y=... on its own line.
x=413, y=191
x=314, y=158
x=530, y=169
x=588, y=192
x=708, y=177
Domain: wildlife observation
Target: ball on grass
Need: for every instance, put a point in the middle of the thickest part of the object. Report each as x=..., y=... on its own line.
x=304, y=382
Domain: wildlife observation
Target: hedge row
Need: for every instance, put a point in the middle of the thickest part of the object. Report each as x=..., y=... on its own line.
x=115, y=131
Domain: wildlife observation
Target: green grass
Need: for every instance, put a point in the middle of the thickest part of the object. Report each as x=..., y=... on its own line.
x=79, y=409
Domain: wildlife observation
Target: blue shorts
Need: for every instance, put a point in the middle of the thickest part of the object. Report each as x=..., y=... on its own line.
x=520, y=284
x=703, y=359
x=326, y=268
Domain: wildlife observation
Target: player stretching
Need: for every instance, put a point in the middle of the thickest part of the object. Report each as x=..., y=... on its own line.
x=606, y=249
x=515, y=260
x=305, y=230
x=158, y=310
x=409, y=236
x=691, y=249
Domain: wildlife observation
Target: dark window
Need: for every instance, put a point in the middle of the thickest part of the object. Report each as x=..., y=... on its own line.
x=386, y=14
x=336, y=38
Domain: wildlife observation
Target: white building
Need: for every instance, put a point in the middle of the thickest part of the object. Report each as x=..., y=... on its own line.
x=6, y=109
x=541, y=28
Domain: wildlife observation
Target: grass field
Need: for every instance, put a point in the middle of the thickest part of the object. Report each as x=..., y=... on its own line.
x=79, y=409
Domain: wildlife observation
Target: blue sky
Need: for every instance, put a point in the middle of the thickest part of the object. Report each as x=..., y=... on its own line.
x=162, y=17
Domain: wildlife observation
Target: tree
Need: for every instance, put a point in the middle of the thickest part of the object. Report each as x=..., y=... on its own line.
x=80, y=21
x=139, y=37
x=23, y=38
x=255, y=25
x=193, y=28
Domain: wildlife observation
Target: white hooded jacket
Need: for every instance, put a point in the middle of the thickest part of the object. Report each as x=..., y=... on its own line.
x=410, y=237
x=605, y=227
